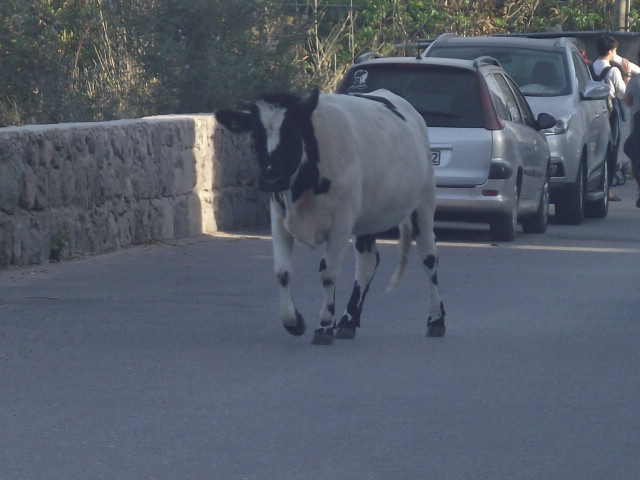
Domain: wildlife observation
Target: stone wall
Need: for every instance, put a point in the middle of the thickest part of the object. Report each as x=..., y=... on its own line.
x=75, y=189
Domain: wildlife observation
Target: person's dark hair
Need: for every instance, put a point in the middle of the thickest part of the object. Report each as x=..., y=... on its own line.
x=606, y=43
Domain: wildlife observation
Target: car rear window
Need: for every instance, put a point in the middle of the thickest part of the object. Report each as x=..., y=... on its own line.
x=444, y=96
x=538, y=73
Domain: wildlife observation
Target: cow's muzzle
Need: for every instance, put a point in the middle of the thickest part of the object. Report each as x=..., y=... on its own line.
x=273, y=184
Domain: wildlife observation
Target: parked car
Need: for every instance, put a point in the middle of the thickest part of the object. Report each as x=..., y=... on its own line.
x=554, y=78
x=491, y=160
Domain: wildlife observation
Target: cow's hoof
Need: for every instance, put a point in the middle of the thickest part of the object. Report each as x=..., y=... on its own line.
x=436, y=328
x=323, y=336
x=346, y=333
x=297, y=329
x=346, y=328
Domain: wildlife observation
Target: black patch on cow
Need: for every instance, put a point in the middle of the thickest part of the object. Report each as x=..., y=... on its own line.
x=323, y=265
x=327, y=282
x=332, y=308
x=352, y=306
x=434, y=279
x=365, y=243
x=309, y=174
x=326, y=323
x=283, y=278
x=309, y=179
x=430, y=261
x=385, y=101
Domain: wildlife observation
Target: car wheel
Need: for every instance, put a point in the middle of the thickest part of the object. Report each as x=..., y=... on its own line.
x=600, y=207
x=537, y=223
x=503, y=227
x=570, y=207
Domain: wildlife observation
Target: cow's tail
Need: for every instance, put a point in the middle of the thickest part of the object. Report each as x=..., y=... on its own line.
x=406, y=237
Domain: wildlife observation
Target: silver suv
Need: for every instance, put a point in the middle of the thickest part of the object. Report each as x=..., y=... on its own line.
x=554, y=78
x=491, y=160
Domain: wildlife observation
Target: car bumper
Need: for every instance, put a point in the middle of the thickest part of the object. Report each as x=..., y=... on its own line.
x=482, y=200
x=565, y=160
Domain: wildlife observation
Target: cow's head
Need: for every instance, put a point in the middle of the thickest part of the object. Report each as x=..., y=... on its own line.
x=277, y=124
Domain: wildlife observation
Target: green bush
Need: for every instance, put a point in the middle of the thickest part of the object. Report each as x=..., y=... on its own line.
x=83, y=60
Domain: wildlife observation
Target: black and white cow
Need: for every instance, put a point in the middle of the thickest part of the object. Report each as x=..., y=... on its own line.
x=339, y=166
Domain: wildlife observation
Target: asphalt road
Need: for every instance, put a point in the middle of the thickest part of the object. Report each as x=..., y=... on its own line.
x=168, y=362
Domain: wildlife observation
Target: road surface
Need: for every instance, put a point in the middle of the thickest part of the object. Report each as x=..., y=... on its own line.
x=168, y=362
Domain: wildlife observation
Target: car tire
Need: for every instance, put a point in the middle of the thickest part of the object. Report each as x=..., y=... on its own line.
x=503, y=227
x=570, y=207
x=600, y=208
x=537, y=223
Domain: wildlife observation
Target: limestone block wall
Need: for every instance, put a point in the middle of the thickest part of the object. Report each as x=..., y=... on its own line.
x=74, y=189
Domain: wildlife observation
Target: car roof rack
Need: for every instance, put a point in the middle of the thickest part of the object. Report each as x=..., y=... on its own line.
x=486, y=60
x=586, y=39
x=420, y=43
x=570, y=33
x=444, y=36
x=426, y=42
x=367, y=56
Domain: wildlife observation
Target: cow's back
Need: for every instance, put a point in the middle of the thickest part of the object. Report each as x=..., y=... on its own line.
x=376, y=153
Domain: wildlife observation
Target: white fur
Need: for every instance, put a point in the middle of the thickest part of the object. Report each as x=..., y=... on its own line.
x=271, y=118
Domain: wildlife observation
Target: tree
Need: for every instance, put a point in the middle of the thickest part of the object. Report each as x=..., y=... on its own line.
x=74, y=60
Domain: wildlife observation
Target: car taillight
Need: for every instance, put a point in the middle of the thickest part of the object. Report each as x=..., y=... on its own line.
x=490, y=116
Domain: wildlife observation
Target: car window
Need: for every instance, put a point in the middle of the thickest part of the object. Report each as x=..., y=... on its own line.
x=525, y=110
x=539, y=73
x=582, y=71
x=508, y=97
x=444, y=96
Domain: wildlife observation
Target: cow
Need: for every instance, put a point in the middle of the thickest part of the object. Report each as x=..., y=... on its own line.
x=339, y=167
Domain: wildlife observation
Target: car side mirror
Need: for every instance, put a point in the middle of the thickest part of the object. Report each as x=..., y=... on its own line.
x=545, y=121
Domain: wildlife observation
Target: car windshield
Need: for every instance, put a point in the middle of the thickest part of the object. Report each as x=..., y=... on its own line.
x=538, y=73
x=444, y=96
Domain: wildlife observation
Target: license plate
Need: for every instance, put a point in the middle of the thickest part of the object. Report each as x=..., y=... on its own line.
x=435, y=157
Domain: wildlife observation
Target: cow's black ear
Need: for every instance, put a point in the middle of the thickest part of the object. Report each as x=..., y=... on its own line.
x=237, y=122
x=308, y=103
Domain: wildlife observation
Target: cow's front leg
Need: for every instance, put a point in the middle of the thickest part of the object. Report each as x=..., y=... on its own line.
x=330, y=267
x=367, y=259
x=283, y=264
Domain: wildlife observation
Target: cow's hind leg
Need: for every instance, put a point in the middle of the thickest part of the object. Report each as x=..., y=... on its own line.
x=283, y=264
x=426, y=241
x=367, y=259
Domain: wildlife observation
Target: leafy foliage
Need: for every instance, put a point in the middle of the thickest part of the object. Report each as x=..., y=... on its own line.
x=77, y=60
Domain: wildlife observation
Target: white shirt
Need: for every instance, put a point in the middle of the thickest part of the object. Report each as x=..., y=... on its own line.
x=617, y=86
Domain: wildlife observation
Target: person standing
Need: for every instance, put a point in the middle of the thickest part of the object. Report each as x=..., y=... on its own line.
x=601, y=69
x=632, y=144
